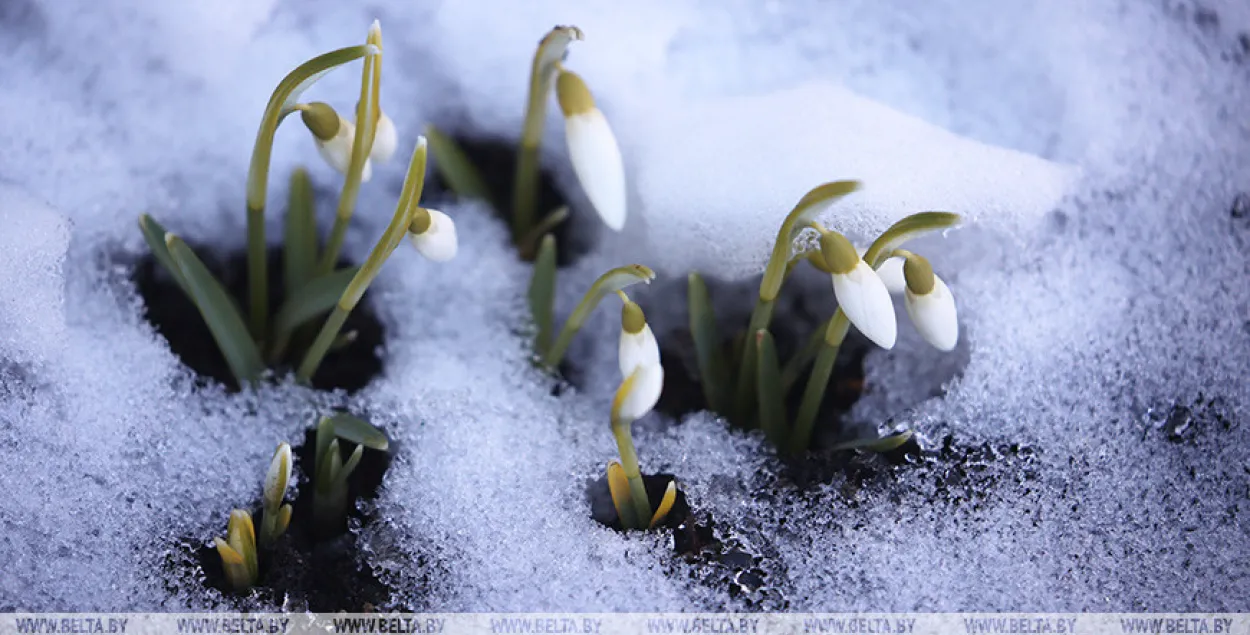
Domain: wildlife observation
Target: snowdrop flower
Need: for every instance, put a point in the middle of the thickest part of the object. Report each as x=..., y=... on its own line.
x=930, y=304
x=638, y=346
x=433, y=233
x=593, y=150
x=334, y=136
x=861, y=294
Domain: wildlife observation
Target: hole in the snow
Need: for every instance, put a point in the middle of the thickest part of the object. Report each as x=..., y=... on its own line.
x=495, y=159
x=176, y=318
x=604, y=511
x=319, y=568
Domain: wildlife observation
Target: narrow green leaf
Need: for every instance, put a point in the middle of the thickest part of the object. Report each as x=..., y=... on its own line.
x=713, y=373
x=879, y=445
x=455, y=167
x=813, y=394
x=798, y=362
x=154, y=236
x=359, y=431
x=325, y=434
x=542, y=293
x=907, y=229
x=317, y=296
x=352, y=462
x=220, y=314
x=528, y=245
x=299, y=249
x=772, y=400
x=328, y=469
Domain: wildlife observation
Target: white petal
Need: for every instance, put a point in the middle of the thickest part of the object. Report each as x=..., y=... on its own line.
x=597, y=162
x=385, y=140
x=644, y=392
x=934, y=315
x=638, y=349
x=866, y=303
x=338, y=151
x=438, y=242
x=891, y=273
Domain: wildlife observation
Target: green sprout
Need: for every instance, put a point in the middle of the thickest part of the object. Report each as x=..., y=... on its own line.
x=639, y=358
x=751, y=391
x=313, y=286
x=276, y=516
x=331, y=472
x=238, y=551
x=593, y=150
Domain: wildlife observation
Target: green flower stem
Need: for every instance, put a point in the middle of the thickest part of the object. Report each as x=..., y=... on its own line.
x=281, y=104
x=414, y=183
x=367, y=114
x=761, y=316
x=799, y=361
x=542, y=75
x=610, y=282
x=817, y=200
x=629, y=461
x=814, y=393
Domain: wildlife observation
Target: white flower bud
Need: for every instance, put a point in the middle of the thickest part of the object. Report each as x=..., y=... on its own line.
x=278, y=477
x=385, y=140
x=934, y=315
x=891, y=273
x=639, y=393
x=434, y=235
x=866, y=302
x=593, y=151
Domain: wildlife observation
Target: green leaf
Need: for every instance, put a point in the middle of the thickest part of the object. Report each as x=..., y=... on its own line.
x=314, y=298
x=325, y=434
x=768, y=384
x=542, y=293
x=359, y=431
x=299, y=249
x=352, y=461
x=528, y=245
x=713, y=373
x=219, y=313
x=798, y=362
x=879, y=445
x=907, y=229
x=154, y=235
x=454, y=166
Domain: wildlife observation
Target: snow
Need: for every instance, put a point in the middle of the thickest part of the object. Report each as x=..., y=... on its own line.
x=1096, y=405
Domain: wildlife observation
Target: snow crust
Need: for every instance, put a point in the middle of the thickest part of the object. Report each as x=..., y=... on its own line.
x=1097, y=407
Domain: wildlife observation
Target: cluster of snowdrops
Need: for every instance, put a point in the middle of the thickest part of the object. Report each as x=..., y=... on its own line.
x=741, y=377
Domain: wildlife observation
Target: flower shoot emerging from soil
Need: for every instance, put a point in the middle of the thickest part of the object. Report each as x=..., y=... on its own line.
x=639, y=357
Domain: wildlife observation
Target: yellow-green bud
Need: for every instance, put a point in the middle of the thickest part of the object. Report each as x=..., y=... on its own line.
x=420, y=221
x=838, y=253
x=918, y=273
x=321, y=120
x=573, y=95
x=632, y=318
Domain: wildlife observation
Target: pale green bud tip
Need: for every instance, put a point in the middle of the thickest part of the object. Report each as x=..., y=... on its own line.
x=573, y=94
x=321, y=120
x=420, y=221
x=918, y=273
x=838, y=253
x=632, y=318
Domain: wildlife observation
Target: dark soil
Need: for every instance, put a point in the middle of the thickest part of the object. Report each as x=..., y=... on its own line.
x=495, y=159
x=316, y=569
x=177, y=319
